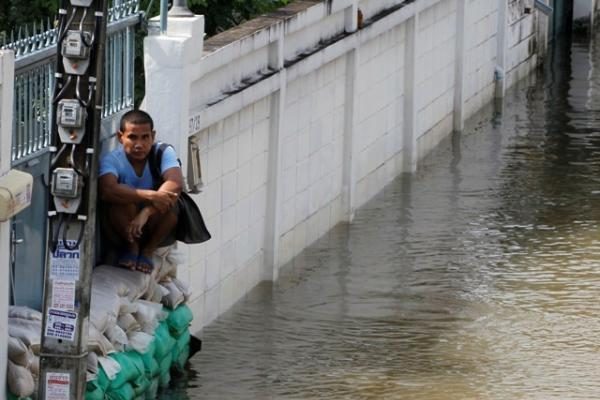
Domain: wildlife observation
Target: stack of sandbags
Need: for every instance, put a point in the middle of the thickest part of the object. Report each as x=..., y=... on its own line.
x=179, y=321
x=24, y=339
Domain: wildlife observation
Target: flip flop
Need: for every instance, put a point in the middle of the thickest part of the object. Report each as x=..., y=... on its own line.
x=144, y=264
x=127, y=260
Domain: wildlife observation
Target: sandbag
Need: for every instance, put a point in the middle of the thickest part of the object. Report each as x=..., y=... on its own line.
x=179, y=320
x=132, y=366
x=124, y=392
x=18, y=352
x=20, y=380
x=174, y=298
x=148, y=315
x=118, y=338
x=24, y=313
x=140, y=384
x=152, y=392
x=183, y=288
x=104, y=308
x=98, y=343
x=164, y=341
x=135, y=282
x=110, y=367
x=93, y=391
x=140, y=342
x=28, y=331
x=128, y=323
x=181, y=359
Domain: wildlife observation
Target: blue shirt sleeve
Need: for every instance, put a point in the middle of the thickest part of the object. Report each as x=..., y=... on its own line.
x=169, y=160
x=109, y=165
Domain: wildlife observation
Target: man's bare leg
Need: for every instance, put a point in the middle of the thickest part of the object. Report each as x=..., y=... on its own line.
x=119, y=218
x=159, y=226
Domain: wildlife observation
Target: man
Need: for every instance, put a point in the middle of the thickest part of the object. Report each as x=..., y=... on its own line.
x=140, y=212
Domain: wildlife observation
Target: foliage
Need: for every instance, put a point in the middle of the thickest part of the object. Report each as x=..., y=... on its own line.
x=17, y=13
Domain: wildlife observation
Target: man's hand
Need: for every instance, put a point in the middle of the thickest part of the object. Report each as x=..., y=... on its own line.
x=135, y=228
x=163, y=200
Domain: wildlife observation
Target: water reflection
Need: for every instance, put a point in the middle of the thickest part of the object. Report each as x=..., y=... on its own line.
x=476, y=278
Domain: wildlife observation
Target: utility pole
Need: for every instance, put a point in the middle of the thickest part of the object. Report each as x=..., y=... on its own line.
x=72, y=172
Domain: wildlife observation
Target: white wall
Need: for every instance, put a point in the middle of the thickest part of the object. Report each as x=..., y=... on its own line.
x=301, y=118
x=6, y=110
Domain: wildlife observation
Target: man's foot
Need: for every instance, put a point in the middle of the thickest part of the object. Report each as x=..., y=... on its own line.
x=128, y=260
x=145, y=264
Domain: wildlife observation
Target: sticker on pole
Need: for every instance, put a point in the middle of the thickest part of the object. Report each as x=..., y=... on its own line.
x=63, y=295
x=61, y=324
x=65, y=262
x=57, y=386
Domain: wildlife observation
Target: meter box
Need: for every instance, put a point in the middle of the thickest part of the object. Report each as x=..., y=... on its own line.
x=70, y=118
x=75, y=52
x=66, y=183
x=15, y=193
x=81, y=3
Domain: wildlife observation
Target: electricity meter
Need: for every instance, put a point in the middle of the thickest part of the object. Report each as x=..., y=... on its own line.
x=75, y=52
x=66, y=183
x=70, y=118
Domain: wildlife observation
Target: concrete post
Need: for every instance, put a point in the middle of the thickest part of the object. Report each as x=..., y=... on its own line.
x=350, y=122
x=459, y=72
x=6, y=109
x=168, y=61
x=500, y=75
x=410, y=128
x=277, y=119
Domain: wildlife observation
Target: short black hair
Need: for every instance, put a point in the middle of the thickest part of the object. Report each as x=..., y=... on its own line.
x=136, y=117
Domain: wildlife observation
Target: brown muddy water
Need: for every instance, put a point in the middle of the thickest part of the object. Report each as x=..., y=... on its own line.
x=478, y=277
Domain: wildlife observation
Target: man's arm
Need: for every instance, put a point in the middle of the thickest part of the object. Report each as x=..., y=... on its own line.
x=111, y=191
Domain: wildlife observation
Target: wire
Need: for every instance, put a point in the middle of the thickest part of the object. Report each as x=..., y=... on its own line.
x=79, y=237
x=57, y=156
x=65, y=28
x=62, y=90
x=90, y=92
x=56, y=233
x=82, y=32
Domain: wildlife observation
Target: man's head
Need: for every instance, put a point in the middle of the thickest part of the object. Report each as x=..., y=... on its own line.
x=136, y=134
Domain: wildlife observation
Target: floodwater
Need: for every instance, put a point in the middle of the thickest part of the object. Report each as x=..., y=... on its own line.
x=478, y=277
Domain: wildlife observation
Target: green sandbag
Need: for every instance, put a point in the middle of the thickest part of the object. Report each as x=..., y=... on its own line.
x=164, y=379
x=165, y=363
x=13, y=397
x=164, y=341
x=152, y=392
x=181, y=360
x=151, y=368
x=181, y=351
x=94, y=391
x=140, y=385
x=179, y=320
x=124, y=392
x=101, y=379
x=132, y=367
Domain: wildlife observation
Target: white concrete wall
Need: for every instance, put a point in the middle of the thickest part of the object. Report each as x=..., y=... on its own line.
x=301, y=117
x=6, y=111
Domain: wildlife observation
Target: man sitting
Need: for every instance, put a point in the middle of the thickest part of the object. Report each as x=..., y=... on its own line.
x=140, y=212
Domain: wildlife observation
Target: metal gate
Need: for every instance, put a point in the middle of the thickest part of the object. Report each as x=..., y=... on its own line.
x=35, y=57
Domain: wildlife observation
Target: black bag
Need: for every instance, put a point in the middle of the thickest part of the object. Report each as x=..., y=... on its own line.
x=190, y=224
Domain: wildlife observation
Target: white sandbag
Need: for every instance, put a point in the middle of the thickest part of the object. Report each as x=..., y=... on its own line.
x=127, y=306
x=104, y=308
x=34, y=367
x=18, y=352
x=27, y=330
x=149, y=315
x=177, y=256
x=98, y=343
x=92, y=363
x=118, y=337
x=183, y=288
x=174, y=298
x=20, y=380
x=110, y=366
x=24, y=313
x=128, y=323
x=135, y=282
x=140, y=342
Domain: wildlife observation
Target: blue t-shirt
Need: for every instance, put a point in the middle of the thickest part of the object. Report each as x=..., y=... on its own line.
x=116, y=163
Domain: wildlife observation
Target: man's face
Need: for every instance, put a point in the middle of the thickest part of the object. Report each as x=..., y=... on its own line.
x=137, y=141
